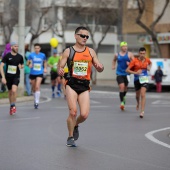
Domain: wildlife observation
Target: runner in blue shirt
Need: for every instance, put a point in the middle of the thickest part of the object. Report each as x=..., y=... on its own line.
x=38, y=64
x=122, y=58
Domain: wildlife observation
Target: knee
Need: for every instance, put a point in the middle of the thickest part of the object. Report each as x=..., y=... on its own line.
x=84, y=116
x=73, y=113
x=142, y=95
x=37, y=88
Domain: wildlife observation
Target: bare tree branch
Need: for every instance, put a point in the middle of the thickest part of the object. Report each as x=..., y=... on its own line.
x=160, y=16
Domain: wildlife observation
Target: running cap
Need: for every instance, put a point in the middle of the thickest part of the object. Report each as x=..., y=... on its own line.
x=54, y=51
x=13, y=43
x=123, y=43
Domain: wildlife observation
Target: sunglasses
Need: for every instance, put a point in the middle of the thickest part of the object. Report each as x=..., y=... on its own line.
x=83, y=36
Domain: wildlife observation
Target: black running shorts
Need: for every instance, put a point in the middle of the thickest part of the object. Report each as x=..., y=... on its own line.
x=122, y=79
x=33, y=77
x=79, y=86
x=138, y=85
x=12, y=81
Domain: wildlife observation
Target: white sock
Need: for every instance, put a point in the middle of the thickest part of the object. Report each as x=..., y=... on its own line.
x=37, y=96
x=34, y=96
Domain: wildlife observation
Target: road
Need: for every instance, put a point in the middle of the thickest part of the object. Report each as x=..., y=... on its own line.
x=110, y=139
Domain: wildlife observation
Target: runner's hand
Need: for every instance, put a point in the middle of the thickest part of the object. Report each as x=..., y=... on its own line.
x=19, y=66
x=45, y=70
x=61, y=71
x=148, y=68
x=99, y=67
x=30, y=65
x=3, y=80
x=113, y=67
x=139, y=72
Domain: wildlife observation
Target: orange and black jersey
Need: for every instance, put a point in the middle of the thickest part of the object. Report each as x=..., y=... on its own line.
x=81, y=64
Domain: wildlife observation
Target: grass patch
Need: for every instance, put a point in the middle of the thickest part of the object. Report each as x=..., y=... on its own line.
x=5, y=95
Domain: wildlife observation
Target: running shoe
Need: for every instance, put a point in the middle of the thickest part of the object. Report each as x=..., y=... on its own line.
x=70, y=142
x=141, y=114
x=12, y=110
x=76, y=133
x=36, y=105
x=124, y=100
x=58, y=94
x=122, y=106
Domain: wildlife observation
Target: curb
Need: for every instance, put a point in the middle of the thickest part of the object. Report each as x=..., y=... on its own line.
x=19, y=99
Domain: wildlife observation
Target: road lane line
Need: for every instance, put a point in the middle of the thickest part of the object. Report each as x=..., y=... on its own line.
x=28, y=118
x=150, y=136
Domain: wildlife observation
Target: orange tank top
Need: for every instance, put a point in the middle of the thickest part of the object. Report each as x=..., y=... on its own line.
x=82, y=65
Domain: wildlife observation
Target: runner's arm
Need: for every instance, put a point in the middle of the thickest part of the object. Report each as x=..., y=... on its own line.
x=149, y=66
x=2, y=73
x=129, y=69
x=99, y=66
x=114, y=62
x=62, y=62
x=45, y=66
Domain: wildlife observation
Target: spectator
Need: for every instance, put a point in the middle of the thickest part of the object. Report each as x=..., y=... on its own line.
x=158, y=79
x=27, y=71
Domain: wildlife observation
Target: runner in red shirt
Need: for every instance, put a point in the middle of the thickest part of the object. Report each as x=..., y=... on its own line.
x=139, y=67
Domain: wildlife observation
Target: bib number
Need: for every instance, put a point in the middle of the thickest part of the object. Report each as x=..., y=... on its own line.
x=12, y=69
x=143, y=79
x=55, y=65
x=80, y=69
x=37, y=67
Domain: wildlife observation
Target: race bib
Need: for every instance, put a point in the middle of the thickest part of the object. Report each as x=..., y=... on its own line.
x=37, y=67
x=143, y=79
x=55, y=65
x=80, y=68
x=12, y=69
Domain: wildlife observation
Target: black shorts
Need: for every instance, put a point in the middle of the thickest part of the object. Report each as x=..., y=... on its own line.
x=79, y=86
x=33, y=77
x=122, y=79
x=12, y=81
x=138, y=85
x=54, y=75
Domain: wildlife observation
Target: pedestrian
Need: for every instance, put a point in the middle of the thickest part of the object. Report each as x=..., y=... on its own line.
x=38, y=64
x=27, y=71
x=139, y=67
x=6, y=51
x=55, y=77
x=122, y=59
x=79, y=59
x=14, y=62
x=158, y=79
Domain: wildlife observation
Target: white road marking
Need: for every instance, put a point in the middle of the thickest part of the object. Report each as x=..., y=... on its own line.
x=150, y=136
x=161, y=102
x=28, y=118
x=94, y=102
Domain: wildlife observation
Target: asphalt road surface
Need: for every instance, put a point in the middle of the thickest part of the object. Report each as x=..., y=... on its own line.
x=110, y=139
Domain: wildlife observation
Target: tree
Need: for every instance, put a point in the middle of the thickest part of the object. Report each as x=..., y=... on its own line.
x=35, y=19
x=9, y=19
x=151, y=28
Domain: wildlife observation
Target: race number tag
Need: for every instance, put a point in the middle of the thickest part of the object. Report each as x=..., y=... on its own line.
x=12, y=69
x=143, y=79
x=80, y=69
x=37, y=67
x=55, y=65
